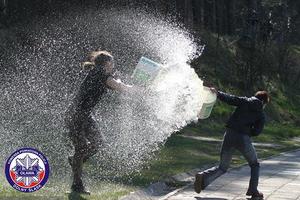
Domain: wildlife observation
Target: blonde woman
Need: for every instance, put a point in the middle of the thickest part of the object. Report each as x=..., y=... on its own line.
x=83, y=130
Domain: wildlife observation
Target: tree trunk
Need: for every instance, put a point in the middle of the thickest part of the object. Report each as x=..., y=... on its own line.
x=189, y=15
x=199, y=14
x=180, y=10
x=202, y=13
x=283, y=43
x=172, y=6
x=214, y=16
x=230, y=5
x=4, y=7
x=220, y=17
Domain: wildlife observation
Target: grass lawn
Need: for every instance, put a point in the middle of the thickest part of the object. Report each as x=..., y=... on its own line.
x=103, y=191
x=181, y=154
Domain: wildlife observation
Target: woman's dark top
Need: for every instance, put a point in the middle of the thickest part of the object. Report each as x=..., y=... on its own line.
x=90, y=92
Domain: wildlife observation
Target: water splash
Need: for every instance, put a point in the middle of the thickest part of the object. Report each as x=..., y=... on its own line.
x=43, y=75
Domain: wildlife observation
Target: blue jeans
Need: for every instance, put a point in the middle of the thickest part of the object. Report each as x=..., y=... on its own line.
x=243, y=143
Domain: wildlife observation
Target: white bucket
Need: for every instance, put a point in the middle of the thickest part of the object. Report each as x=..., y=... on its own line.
x=146, y=71
x=208, y=103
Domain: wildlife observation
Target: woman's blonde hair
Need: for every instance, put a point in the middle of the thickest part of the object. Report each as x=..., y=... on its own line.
x=96, y=58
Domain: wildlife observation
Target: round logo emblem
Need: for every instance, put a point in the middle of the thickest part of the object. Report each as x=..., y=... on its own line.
x=27, y=170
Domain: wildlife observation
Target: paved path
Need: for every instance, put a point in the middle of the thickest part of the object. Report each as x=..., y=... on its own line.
x=279, y=180
x=210, y=139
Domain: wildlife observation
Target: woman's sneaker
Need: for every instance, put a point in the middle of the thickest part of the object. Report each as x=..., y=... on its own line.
x=198, y=182
x=79, y=188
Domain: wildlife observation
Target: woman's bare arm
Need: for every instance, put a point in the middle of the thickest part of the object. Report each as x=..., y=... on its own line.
x=117, y=84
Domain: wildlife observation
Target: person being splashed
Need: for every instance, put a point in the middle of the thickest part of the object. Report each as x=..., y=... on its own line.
x=83, y=130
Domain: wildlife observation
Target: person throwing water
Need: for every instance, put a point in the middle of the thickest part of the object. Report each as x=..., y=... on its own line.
x=247, y=120
x=83, y=130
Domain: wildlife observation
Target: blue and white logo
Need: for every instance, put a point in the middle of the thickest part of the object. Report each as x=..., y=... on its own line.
x=27, y=170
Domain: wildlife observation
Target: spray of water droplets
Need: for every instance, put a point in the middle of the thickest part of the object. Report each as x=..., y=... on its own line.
x=42, y=75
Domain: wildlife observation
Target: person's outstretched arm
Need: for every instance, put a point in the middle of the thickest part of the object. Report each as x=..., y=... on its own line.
x=118, y=85
x=229, y=98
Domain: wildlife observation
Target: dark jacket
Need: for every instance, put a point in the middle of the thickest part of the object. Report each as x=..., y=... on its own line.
x=248, y=117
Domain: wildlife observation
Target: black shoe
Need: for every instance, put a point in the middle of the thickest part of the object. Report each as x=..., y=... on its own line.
x=198, y=182
x=79, y=188
x=255, y=195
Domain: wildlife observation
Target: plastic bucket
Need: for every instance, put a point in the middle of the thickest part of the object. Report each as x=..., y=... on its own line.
x=146, y=71
x=208, y=103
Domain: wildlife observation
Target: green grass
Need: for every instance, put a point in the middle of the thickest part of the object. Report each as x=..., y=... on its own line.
x=178, y=155
x=57, y=191
x=278, y=132
x=182, y=154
